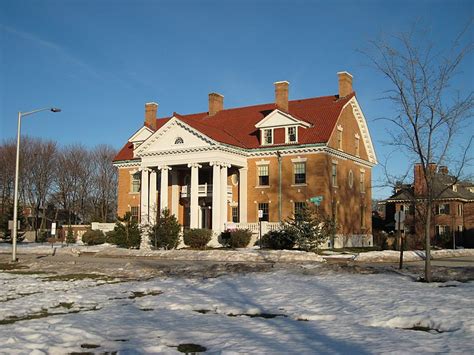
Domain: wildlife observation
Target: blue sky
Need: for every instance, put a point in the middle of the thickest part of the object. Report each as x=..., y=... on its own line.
x=100, y=61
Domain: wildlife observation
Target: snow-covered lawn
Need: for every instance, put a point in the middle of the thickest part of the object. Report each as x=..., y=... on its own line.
x=275, y=312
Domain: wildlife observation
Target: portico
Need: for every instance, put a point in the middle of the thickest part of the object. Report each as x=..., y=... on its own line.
x=201, y=190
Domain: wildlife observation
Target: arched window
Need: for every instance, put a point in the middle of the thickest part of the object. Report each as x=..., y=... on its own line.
x=179, y=140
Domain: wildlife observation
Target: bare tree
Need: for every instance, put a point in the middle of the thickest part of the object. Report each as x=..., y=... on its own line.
x=73, y=177
x=430, y=113
x=38, y=175
x=7, y=174
x=105, y=183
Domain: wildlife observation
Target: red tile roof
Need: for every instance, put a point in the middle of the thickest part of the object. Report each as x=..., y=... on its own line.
x=236, y=126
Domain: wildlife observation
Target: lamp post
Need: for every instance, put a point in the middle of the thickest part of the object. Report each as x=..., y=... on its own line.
x=17, y=173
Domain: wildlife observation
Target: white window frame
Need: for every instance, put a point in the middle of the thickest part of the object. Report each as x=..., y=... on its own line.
x=334, y=176
x=357, y=145
x=350, y=179
x=132, y=180
x=287, y=134
x=362, y=181
x=303, y=163
x=263, y=137
x=258, y=174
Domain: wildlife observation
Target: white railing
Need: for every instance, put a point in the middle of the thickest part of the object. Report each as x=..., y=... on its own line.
x=204, y=190
x=254, y=227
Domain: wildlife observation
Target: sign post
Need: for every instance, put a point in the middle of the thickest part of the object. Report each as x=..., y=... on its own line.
x=260, y=215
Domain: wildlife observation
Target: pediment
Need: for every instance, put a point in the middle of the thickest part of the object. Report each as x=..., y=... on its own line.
x=141, y=135
x=174, y=135
x=279, y=118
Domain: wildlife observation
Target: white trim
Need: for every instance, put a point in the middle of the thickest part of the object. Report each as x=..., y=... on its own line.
x=142, y=150
x=261, y=123
x=262, y=136
x=364, y=129
x=299, y=160
x=127, y=164
x=344, y=72
x=262, y=162
x=287, y=135
x=133, y=138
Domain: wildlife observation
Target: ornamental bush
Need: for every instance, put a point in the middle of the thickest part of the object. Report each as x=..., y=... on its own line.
x=240, y=238
x=93, y=237
x=279, y=239
x=70, y=238
x=165, y=233
x=126, y=233
x=197, y=238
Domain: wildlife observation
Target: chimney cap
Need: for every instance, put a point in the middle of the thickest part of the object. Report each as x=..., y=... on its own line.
x=344, y=73
x=216, y=93
x=281, y=82
x=151, y=103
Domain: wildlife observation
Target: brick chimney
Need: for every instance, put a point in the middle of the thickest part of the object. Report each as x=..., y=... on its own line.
x=345, y=84
x=281, y=95
x=216, y=103
x=151, y=109
x=419, y=177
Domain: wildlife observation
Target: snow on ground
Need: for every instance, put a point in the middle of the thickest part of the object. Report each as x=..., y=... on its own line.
x=240, y=255
x=300, y=312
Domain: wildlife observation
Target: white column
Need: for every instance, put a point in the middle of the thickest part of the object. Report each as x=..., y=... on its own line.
x=223, y=196
x=164, y=187
x=144, y=209
x=144, y=195
x=243, y=195
x=174, y=193
x=216, y=200
x=153, y=208
x=194, y=201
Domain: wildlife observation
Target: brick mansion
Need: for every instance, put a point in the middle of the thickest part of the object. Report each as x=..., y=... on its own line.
x=219, y=168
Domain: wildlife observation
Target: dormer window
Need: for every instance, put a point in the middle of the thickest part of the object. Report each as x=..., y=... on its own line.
x=267, y=136
x=291, y=135
x=179, y=140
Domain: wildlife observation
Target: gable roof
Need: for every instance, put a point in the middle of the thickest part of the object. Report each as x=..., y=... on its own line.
x=236, y=126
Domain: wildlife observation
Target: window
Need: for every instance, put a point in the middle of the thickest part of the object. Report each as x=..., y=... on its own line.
x=234, y=179
x=362, y=216
x=357, y=145
x=268, y=136
x=443, y=230
x=134, y=213
x=334, y=174
x=291, y=135
x=235, y=214
x=339, y=138
x=264, y=208
x=263, y=179
x=135, y=183
x=362, y=181
x=179, y=140
x=351, y=179
x=298, y=209
x=443, y=208
x=460, y=210
x=300, y=173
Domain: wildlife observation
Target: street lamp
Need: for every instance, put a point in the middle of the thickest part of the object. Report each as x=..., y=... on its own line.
x=17, y=173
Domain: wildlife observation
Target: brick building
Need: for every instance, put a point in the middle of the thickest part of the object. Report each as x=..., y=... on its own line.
x=453, y=209
x=222, y=166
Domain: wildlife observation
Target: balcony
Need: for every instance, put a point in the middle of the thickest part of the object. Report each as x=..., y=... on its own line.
x=204, y=190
